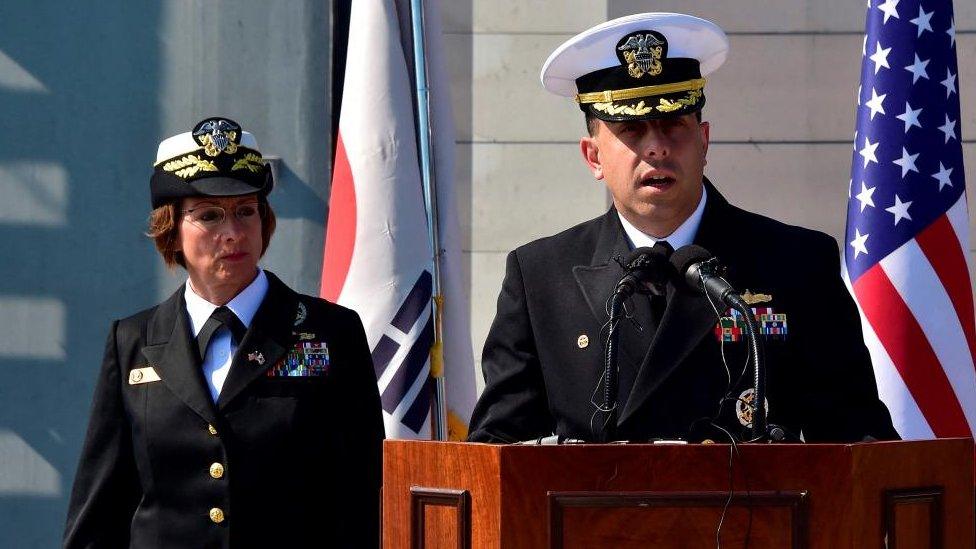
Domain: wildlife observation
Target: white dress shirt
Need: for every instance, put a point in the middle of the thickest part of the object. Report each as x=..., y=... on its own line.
x=220, y=351
x=682, y=236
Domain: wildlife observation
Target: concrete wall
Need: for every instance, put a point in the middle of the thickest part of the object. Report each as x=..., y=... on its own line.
x=87, y=90
x=781, y=109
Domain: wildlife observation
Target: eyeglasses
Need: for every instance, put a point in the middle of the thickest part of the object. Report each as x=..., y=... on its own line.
x=211, y=217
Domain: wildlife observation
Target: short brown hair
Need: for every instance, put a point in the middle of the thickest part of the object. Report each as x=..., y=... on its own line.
x=164, y=230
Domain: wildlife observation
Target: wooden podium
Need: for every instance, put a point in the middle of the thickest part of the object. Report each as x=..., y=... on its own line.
x=458, y=495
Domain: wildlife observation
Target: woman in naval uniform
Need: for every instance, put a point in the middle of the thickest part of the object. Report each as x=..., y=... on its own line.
x=237, y=413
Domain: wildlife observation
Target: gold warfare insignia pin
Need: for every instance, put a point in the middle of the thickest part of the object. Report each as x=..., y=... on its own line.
x=752, y=299
x=642, y=51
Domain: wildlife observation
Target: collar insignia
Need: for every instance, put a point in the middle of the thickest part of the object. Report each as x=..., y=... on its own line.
x=217, y=135
x=642, y=51
x=256, y=357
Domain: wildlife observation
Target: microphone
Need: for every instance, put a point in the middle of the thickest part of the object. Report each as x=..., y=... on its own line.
x=646, y=266
x=701, y=272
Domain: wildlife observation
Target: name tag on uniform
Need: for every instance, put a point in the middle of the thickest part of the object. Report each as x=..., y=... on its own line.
x=138, y=376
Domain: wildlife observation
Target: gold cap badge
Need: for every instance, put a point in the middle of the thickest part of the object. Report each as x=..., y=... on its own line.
x=641, y=52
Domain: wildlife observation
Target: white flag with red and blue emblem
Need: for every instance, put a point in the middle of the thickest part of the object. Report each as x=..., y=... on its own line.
x=907, y=222
x=378, y=257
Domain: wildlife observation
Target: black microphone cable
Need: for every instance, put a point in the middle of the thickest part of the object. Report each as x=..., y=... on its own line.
x=646, y=270
x=605, y=330
x=699, y=271
x=733, y=454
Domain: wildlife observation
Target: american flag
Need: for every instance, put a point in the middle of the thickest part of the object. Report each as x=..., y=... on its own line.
x=907, y=223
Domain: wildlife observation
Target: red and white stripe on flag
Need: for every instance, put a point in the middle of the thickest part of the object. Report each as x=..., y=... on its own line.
x=378, y=259
x=918, y=322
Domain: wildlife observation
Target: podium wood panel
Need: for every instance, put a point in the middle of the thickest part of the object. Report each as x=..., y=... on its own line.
x=818, y=496
x=658, y=519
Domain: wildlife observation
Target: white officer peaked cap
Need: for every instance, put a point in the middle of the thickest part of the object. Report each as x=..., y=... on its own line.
x=216, y=158
x=593, y=49
x=647, y=65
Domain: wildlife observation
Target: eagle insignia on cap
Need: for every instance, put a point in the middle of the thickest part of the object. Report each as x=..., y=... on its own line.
x=641, y=52
x=217, y=135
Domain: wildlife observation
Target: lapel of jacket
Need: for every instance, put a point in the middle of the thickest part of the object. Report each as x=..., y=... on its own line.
x=267, y=339
x=688, y=317
x=597, y=281
x=171, y=352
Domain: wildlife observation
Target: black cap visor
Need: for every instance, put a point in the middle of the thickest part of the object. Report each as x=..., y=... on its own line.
x=166, y=186
x=676, y=90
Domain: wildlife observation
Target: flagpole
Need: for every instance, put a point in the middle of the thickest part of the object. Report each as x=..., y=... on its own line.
x=439, y=407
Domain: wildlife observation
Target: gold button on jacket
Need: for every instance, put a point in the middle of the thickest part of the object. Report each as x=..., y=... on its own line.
x=217, y=515
x=217, y=470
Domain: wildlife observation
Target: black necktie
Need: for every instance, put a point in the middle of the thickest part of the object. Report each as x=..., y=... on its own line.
x=646, y=326
x=221, y=317
x=668, y=249
x=658, y=296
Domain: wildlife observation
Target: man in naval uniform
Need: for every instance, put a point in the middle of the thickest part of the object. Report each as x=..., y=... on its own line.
x=683, y=366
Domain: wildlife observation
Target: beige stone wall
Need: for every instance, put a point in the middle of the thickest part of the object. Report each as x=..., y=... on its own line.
x=782, y=114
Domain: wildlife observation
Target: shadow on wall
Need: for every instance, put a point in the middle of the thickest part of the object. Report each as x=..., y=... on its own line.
x=87, y=89
x=78, y=108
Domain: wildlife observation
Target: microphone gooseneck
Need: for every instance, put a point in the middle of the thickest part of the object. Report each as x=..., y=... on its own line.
x=645, y=269
x=701, y=272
